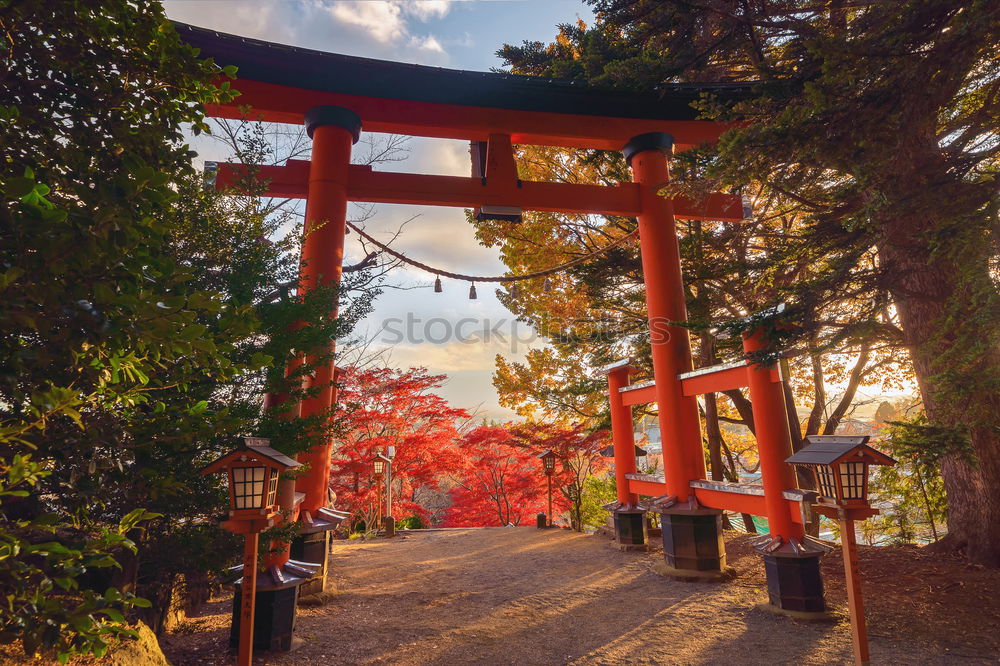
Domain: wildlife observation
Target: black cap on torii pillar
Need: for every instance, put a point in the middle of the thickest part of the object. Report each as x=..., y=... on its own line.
x=649, y=141
x=319, y=116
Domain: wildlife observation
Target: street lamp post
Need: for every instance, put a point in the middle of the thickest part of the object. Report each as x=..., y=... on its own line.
x=841, y=468
x=549, y=465
x=252, y=471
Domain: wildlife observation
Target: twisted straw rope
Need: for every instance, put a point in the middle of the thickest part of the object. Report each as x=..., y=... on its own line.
x=494, y=278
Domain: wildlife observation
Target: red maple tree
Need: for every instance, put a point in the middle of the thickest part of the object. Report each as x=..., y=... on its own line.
x=498, y=483
x=383, y=407
x=578, y=456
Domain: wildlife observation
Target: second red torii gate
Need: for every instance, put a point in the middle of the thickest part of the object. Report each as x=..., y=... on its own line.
x=336, y=97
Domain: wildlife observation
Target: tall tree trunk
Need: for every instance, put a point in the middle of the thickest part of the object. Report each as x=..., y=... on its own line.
x=803, y=476
x=713, y=430
x=922, y=287
x=714, y=435
x=819, y=391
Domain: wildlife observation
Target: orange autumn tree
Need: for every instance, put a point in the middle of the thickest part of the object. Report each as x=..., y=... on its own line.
x=383, y=407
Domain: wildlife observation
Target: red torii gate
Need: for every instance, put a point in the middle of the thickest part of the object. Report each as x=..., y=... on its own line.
x=336, y=96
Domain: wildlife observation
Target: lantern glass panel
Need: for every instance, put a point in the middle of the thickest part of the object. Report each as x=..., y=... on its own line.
x=272, y=488
x=379, y=465
x=852, y=479
x=550, y=463
x=248, y=487
x=827, y=484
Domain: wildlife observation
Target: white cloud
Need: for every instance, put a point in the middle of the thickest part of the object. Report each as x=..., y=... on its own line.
x=428, y=43
x=371, y=28
x=428, y=9
x=385, y=20
x=382, y=20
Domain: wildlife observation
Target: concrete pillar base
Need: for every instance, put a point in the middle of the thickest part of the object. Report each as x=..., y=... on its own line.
x=274, y=619
x=794, y=583
x=312, y=548
x=692, y=540
x=630, y=529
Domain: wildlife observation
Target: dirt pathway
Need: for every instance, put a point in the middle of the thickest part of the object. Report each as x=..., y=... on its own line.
x=524, y=596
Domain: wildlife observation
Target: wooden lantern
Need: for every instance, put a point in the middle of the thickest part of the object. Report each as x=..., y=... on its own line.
x=548, y=461
x=841, y=466
x=252, y=471
x=378, y=464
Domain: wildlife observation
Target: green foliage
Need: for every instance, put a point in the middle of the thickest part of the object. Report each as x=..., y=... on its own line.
x=411, y=523
x=597, y=491
x=927, y=444
x=97, y=317
x=142, y=317
x=40, y=562
x=911, y=494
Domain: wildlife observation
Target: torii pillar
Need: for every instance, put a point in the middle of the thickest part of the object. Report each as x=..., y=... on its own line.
x=692, y=535
x=333, y=130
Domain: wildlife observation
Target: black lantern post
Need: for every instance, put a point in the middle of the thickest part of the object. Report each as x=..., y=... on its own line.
x=841, y=468
x=252, y=471
x=549, y=465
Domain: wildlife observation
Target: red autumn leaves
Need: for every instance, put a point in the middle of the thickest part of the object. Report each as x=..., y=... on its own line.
x=446, y=471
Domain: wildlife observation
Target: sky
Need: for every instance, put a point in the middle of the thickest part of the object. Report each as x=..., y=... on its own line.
x=447, y=333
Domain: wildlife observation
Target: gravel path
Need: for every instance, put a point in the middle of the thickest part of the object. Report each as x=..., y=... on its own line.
x=526, y=596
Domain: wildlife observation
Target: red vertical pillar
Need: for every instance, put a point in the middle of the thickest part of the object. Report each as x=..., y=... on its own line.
x=333, y=130
x=680, y=429
x=773, y=442
x=855, y=600
x=621, y=433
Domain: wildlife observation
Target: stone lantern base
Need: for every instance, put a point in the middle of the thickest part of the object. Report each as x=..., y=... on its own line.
x=273, y=622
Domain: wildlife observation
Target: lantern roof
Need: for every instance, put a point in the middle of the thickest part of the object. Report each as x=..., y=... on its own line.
x=256, y=449
x=548, y=453
x=831, y=449
x=609, y=452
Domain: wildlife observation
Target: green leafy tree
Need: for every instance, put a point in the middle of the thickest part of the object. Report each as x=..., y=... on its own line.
x=141, y=319
x=93, y=307
x=597, y=491
x=912, y=492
